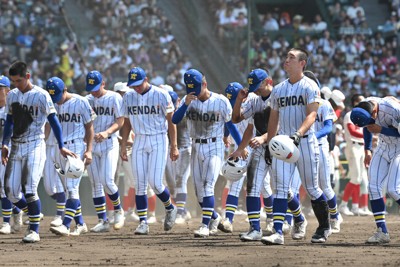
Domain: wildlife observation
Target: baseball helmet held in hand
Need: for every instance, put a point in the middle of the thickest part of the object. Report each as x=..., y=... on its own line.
x=234, y=169
x=283, y=148
x=74, y=168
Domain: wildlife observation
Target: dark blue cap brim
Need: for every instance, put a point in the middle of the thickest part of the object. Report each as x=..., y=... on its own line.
x=135, y=83
x=254, y=87
x=93, y=88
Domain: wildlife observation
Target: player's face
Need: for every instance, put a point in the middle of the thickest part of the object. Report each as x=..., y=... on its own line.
x=292, y=61
x=21, y=82
x=140, y=89
x=3, y=94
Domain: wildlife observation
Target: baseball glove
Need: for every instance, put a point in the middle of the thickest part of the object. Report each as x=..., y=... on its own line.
x=21, y=119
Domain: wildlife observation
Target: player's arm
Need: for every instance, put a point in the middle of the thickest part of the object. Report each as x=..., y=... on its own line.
x=325, y=130
x=367, y=146
x=56, y=127
x=47, y=130
x=311, y=114
x=89, y=135
x=272, y=126
x=100, y=137
x=125, y=130
x=174, y=153
x=233, y=130
x=237, y=115
x=7, y=132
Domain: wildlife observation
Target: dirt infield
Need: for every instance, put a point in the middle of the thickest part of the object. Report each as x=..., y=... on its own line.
x=179, y=248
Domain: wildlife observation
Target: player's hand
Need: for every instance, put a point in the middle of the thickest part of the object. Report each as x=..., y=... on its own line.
x=174, y=153
x=227, y=141
x=256, y=142
x=123, y=154
x=4, y=155
x=87, y=156
x=66, y=152
x=244, y=154
x=189, y=98
x=368, y=157
x=374, y=128
x=267, y=156
x=296, y=138
x=100, y=137
x=236, y=154
x=243, y=93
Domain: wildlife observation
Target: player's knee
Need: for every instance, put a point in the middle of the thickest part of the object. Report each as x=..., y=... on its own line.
x=31, y=198
x=393, y=193
x=329, y=193
x=72, y=194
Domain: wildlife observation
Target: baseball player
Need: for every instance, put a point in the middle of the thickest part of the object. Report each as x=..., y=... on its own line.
x=177, y=172
x=28, y=106
x=380, y=116
x=108, y=107
x=207, y=113
x=323, y=126
x=294, y=106
x=355, y=156
x=76, y=117
x=148, y=110
x=7, y=208
x=256, y=111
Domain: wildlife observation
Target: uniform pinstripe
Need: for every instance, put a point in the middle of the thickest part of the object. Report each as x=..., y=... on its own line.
x=2, y=167
x=291, y=101
x=51, y=182
x=103, y=167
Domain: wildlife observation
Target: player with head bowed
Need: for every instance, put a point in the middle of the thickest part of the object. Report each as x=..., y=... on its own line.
x=7, y=208
x=28, y=106
x=177, y=172
x=323, y=126
x=76, y=117
x=207, y=113
x=148, y=111
x=357, y=187
x=108, y=107
x=380, y=116
x=294, y=107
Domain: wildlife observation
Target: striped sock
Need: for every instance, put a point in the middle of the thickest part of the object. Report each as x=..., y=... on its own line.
x=289, y=216
x=180, y=201
x=22, y=205
x=280, y=207
x=253, y=205
x=116, y=201
x=208, y=209
x=16, y=210
x=78, y=215
x=34, y=208
x=100, y=206
x=294, y=206
x=378, y=208
x=60, y=199
x=165, y=197
x=141, y=206
x=6, y=209
x=332, y=204
x=70, y=211
x=268, y=204
x=231, y=207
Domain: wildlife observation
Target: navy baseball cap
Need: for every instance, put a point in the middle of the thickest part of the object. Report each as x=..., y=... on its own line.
x=255, y=78
x=4, y=81
x=93, y=81
x=174, y=97
x=193, y=80
x=232, y=91
x=55, y=86
x=136, y=77
x=360, y=117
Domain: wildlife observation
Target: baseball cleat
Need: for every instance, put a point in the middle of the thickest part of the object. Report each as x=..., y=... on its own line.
x=5, y=229
x=269, y=229
x=343, y=209
x=119, y=219
x=364, y=211
x=57, y=221
x=202, y=232
x=170, y=217
x=131, y=216
x=213, y=230
x=299, y=230
x=335, y=224
x=101, y=227
x=31, y=237
x=17, y=219
x=79, y=229
x=151, y=219
x=60, y=230
x=110, y=216
x=142, y=229
x=320, y=236
x=253, y=235
x=274, y=239
x=286, y=228
x=225, y=226
x=379, y=237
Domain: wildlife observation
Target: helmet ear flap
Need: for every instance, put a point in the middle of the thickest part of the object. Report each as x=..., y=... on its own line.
x=283, y=148
x=234, y=169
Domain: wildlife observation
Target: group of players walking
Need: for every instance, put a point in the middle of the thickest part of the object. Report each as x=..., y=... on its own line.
x=158, y=135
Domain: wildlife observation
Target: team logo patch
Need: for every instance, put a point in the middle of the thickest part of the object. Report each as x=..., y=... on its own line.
x=229, y=96
x=91, y=81
x=190, y=85
x=52, y=91
x=250, y=80
x=133, y=76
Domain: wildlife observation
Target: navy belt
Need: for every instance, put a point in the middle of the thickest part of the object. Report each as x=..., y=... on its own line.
x=358, y=143
x=205, y=141
x=305, y=136
x=68, y=142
